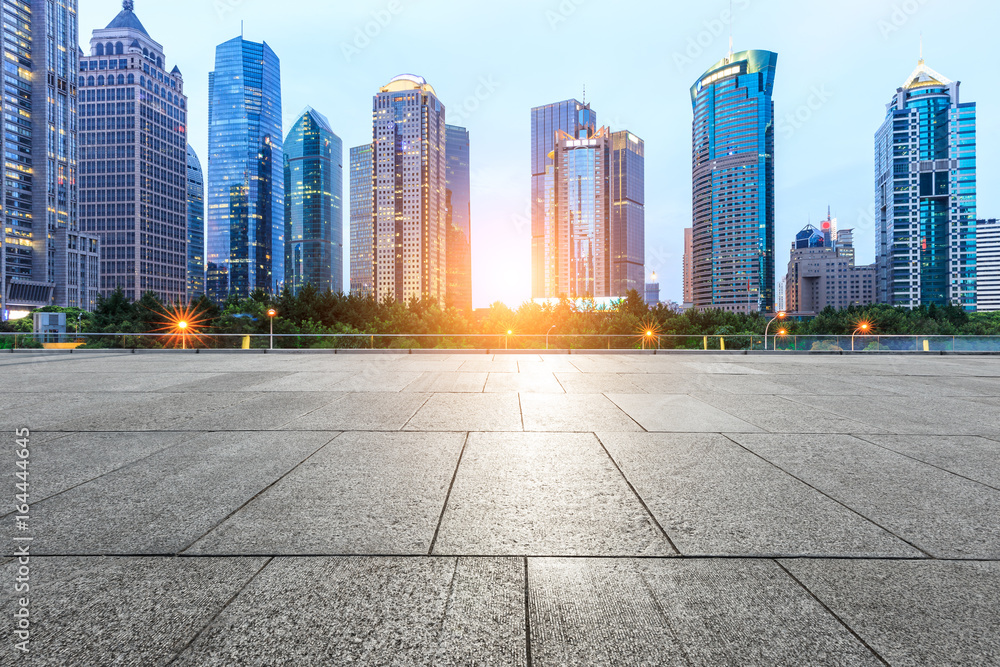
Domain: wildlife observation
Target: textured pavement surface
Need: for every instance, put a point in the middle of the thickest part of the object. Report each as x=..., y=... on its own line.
x=458, y=509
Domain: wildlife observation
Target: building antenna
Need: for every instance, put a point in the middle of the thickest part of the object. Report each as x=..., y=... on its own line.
x=921, y=48
x=731, y=31
x=585, y=94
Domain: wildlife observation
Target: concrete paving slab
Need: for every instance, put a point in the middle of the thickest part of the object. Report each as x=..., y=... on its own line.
x=713, y=497
x=362, y=412
x=58, y=382
x=943, y=514
x=377, y=381
x=151, y=412
x=219, y=382
x=968, y=456
x=164, y=503
x=580, y=413
x=678, y=414
x=534, y=382
x=913, y=613
x=47, y=412
x=468, y=412
x=263, y=412
x=543, y=494
x=373, y=611
x=448, y=382
x=597, y=383
x=777, y=414
x=923, y=415
x=673, y=612
x=121, y=611
x=497, y=365
x=296, y=382
x=364, y=493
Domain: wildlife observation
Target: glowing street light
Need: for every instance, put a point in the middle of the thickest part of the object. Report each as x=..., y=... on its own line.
x=183, y=325
x=271, y=314
x=506, y=341
x=864, y=328
x=780, y=316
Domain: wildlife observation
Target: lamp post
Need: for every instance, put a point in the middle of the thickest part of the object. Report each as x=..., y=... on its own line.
x=271, y=313
x=182, y=325
x=506, y=340
x=864, y=328
x=780, y=316
x=547, y=336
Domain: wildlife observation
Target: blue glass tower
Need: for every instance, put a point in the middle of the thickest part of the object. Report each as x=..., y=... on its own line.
x=314, y=214
x=925, y=193
x=196, y=226
x=245, y=172
x=733, y=184
x=459, y=216
x=628, y=213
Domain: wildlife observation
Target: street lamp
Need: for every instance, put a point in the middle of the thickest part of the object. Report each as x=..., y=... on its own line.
x=863, y=327
x=506, y=341
x=782, y=333
x=182, y=325
x=547, y=336
x=780, y=316
x=271, y=314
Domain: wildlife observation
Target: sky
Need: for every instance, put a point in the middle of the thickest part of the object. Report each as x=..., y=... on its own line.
x=839, y=63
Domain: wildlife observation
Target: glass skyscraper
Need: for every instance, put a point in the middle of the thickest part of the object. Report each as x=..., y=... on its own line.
x=133, y=161
x=362, y=222
x=925, y=193
x=459, y=219
x=628, y=213
x=246, y=212
x=196, y=226
x=46, y=255
x=733, y=184
x=570, y=117
x=314, y=214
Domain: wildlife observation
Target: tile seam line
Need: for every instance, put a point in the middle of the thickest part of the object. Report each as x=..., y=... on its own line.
x=420, y=407
x=642, y=502
x=926, y=463
x=630, y=417
x=527, y=615
x=832, y=613
x=215, y=616
x=260, y=493
x=829, y=497
x=447, y=496
x=284, y=427
x=574, y=557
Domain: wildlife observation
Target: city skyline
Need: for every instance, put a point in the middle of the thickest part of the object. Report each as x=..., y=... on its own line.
x=828, y=104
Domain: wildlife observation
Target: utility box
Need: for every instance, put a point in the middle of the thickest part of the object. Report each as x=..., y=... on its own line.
x=50, y=327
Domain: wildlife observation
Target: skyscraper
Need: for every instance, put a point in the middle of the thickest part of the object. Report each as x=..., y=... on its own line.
x=409, y=188
x=196, y=226
x=459, y=219
x=822, y=274
x=314, y=213
x=988, y=269
x=47, y=256
x=925, y=194
x=133, y=183
x=246, y=213
x=628, y=213
x=574, y=119
x=687, y=260
x=733, y=184
x=362, y=222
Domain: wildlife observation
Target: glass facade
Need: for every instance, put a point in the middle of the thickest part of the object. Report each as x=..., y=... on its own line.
x=459, y=219
x=574, y=119
x=362, y=223
x=733, y=184
x=196, y=226
x=628, y=213
x=314, y=214
x=133, y=161
x=925, y=191
x=245, y=194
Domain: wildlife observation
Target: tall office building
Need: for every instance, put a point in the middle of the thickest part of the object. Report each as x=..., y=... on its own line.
x=687, y=261
x=246, y=183
x=409, y=188
x=628, y=213
x=988, y=278
x=653, y=291
x=46, y=256
x=925, y=193
x=733, y=184
x=574, y=119
x=314, y=213
x=362, y=222
x=822, y=274
x=196, y=226
x=133, y=161
x=459, y=219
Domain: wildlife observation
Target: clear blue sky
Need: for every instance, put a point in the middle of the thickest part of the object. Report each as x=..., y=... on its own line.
x=838, y=65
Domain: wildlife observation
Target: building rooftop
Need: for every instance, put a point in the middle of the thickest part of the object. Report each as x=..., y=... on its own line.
x=405, y=82
x=923, y=76
x=127, y=19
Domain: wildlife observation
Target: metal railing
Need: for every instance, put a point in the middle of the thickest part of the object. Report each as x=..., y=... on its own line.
x=497, y=342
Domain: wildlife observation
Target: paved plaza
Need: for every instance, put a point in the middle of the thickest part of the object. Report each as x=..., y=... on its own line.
x=474, y=509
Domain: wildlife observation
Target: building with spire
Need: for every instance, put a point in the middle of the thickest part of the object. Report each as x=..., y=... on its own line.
x=246, y=180
x=314, y=210
x=133, y=161
x=47, y=258
x=732, y=256
x=196, y=226
x=925, y=193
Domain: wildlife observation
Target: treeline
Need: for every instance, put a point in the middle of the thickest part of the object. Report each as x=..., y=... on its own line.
x=365, y=322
